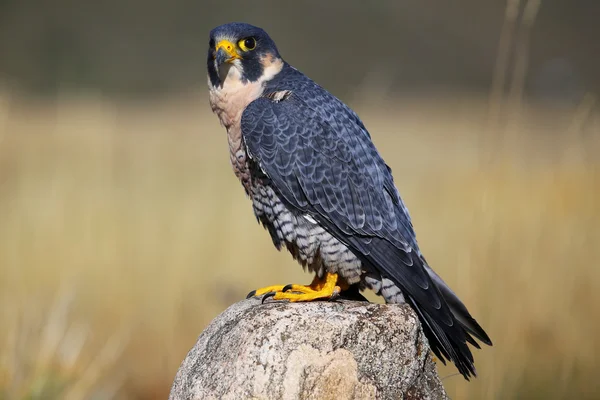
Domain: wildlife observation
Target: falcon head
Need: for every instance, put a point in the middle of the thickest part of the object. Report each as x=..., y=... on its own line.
x=240, y=51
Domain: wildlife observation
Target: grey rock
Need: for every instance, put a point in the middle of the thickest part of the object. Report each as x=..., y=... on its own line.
x=316, y=350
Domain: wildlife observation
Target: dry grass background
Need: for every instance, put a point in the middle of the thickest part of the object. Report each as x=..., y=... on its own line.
x=123, y=232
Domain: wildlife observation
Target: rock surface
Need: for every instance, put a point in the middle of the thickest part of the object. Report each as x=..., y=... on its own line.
x=317, y=350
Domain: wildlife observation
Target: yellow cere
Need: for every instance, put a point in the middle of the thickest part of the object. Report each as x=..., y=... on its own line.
x=229, y=48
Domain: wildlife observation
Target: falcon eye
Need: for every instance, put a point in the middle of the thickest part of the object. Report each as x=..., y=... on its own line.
x=247, y=44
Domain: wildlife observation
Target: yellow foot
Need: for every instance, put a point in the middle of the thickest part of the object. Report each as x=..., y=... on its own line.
x=325, y=288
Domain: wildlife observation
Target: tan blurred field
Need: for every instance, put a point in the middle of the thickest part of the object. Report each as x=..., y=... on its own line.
x=123, y=232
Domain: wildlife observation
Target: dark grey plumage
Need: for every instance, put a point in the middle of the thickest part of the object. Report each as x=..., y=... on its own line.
x=320, y=187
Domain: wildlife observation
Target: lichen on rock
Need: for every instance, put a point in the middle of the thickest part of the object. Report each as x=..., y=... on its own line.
x=316, y=350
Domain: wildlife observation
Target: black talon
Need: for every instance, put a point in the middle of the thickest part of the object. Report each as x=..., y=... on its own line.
x=251, y=294
x=287, y=287
x=267, y=295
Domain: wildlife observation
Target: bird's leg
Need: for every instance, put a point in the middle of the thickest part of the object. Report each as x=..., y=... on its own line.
x=320, y=288
x=315, y=285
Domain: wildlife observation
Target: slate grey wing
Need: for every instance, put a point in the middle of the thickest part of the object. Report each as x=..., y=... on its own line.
x=321, y=162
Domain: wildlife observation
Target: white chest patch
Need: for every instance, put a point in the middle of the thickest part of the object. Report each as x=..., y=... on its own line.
x=229, y=100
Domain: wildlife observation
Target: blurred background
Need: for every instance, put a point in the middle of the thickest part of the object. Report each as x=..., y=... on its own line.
x=123, y=231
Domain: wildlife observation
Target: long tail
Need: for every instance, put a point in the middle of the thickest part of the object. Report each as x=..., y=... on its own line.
x=450, y=342
x=445, y=320
x=459, y=310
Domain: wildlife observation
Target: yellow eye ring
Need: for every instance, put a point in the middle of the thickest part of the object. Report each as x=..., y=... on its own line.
x=247, y=44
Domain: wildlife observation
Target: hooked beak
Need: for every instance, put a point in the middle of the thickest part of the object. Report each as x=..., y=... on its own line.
x=225, y=52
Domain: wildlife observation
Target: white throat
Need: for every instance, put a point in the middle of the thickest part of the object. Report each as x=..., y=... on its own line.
x=229, y=99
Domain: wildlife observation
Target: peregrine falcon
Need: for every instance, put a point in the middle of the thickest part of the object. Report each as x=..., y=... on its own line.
x=320, y=187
